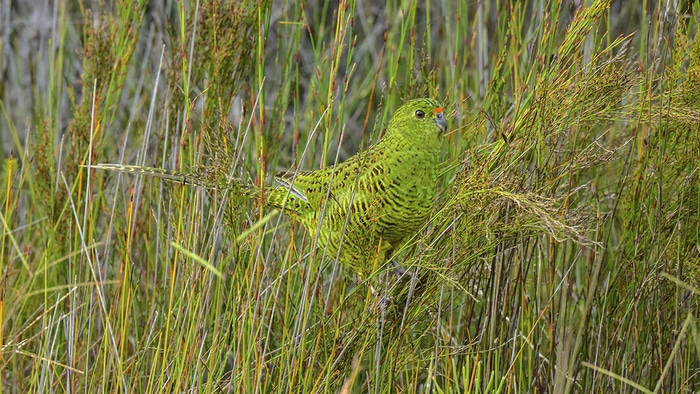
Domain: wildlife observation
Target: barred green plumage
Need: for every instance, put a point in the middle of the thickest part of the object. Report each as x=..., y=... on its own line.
x=371, y=202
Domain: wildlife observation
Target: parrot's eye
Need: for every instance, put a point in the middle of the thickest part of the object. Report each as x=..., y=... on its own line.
x=420, y=114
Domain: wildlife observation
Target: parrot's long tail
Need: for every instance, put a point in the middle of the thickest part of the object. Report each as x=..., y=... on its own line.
x=171, y=175
x=185, y=178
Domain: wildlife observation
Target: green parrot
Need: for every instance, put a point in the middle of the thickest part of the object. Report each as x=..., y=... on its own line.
x=363, y=208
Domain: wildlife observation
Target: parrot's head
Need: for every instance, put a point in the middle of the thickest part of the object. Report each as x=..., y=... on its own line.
x=421, y=119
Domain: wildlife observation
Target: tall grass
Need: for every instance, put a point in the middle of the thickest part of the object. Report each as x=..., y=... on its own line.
x=563, y=255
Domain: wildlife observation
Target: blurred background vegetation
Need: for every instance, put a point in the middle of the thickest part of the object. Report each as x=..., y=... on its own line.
x=563, y=255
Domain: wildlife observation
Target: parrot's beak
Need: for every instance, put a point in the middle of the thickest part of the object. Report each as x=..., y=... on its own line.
x=440, y=121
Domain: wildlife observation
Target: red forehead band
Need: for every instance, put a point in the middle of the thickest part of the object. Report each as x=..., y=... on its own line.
x=438, y=109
